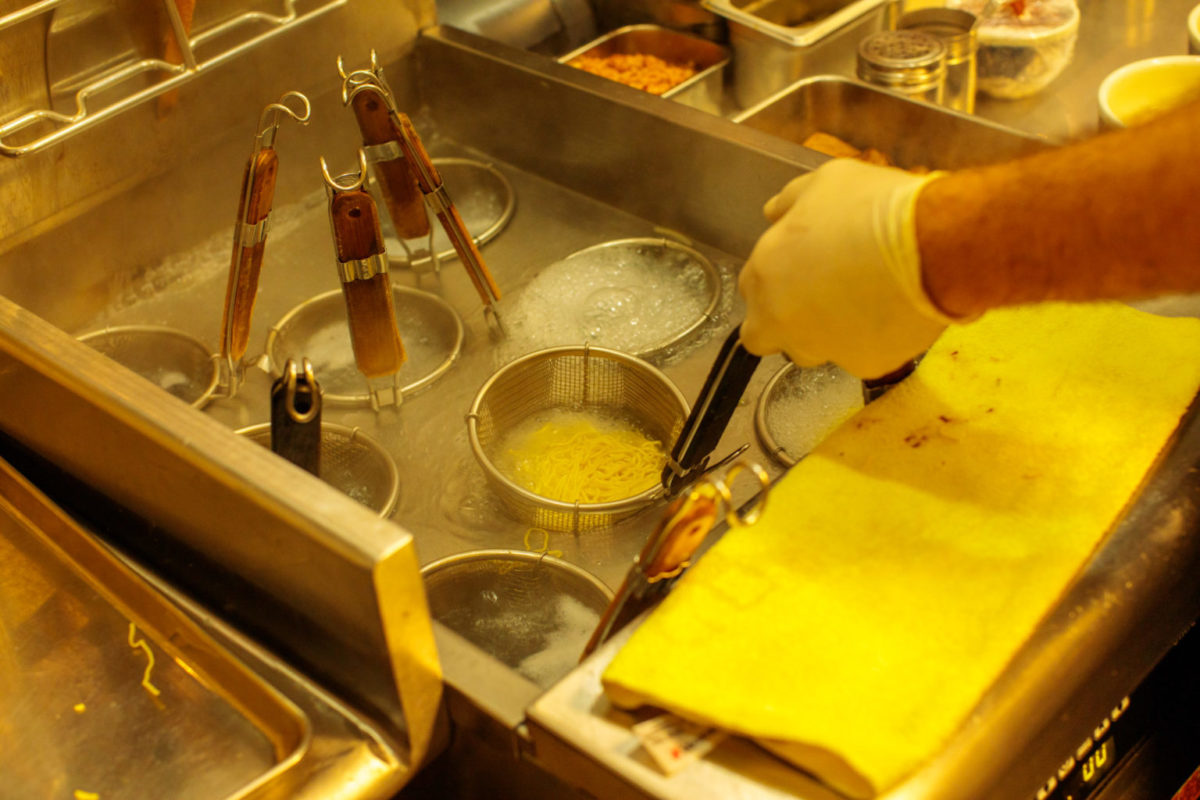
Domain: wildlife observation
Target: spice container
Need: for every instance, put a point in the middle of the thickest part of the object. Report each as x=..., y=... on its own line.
x=910, y=63
x=955, y=28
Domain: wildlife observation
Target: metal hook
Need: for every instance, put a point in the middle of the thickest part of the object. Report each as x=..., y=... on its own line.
x=332, y=183
x=371, y=79
x=342, y=71
x=721, y=487
x=292, y=386
x=267, y=131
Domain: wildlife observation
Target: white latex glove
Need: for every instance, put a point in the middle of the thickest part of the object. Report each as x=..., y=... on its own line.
x=837, y=277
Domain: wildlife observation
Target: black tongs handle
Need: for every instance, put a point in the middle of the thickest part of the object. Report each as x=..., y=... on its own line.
x=296, y=416
x=722, y=391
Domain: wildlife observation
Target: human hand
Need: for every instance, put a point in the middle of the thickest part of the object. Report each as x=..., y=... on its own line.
x=837, y=277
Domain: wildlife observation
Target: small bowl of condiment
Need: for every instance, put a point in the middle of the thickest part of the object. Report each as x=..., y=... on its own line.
x=1139, y=92
x=1193, y=27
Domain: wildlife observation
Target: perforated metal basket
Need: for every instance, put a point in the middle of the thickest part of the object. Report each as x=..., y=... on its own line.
x=485, y=200
x=531, y=611
x=789, y=381
x=171, y=359
x=317, y=329
x=575, y=378
x=351, y=462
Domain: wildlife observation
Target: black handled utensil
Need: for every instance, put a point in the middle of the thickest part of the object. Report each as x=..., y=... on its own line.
x=722, y=391
x=296, y=416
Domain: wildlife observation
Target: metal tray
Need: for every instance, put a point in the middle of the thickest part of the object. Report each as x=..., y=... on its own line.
x=704, y=90
x=911, y=133
x=108, y=689
x=778, y=42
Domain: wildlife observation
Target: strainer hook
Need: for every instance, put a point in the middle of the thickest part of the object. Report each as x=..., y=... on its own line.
x=272, y=116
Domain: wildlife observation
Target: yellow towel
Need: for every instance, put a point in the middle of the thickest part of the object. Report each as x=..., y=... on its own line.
x=902, y=564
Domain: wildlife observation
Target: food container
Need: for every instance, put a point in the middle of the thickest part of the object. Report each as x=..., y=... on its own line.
x=911, y=63
x=1140, y=91
x=1020, y=54
x=910, y=133
x=956, y=30
x=777, y=42
x=703, y=90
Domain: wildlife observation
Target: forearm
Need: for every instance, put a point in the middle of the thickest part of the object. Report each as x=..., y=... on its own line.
x=1117, y=216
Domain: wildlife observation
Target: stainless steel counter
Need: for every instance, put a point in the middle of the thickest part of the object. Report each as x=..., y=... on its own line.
x=1111, y=34
x=589, y=161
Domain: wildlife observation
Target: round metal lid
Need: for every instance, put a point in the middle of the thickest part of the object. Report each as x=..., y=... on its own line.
x=901, y=57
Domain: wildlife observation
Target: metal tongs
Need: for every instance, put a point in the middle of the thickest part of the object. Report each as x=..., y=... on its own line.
x=719, y=397
x=685, y=524
x=250, y=238
x=363, y=270
x=296, y=416
x=363, y=87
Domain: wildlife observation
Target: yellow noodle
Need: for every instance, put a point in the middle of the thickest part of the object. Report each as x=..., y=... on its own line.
x=574, y=456
x=135, y=643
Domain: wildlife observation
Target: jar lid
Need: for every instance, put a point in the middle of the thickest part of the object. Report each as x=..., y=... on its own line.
x=902, y=58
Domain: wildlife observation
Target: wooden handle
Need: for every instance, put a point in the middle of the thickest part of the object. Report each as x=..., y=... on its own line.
x=401, y=192
x=246, y=262
x=468, y=254
x=173, y=53
x=371, y=313
x=414, y=150
x=356, y=231
x=464, y=244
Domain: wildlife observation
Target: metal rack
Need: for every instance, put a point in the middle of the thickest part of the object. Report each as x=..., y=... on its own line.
x=126, y=70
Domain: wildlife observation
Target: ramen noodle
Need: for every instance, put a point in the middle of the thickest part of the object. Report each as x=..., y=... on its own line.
x=574, y=456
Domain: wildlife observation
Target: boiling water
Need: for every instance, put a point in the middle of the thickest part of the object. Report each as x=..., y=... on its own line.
x=573, y=626
x=627, y=299
x=332, y=355
x=542, y=640
x=808, y=404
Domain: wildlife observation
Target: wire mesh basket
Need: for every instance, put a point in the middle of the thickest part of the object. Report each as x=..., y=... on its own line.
x=799, y=406
x=166, y=357
x=533, y=612
x=589, y=379
x=317, y=329
x=641, y=296
x=351, y=462
x=485, y=200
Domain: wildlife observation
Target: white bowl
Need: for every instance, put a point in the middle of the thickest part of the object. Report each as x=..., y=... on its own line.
x=1140, y=91
x=1194, y=31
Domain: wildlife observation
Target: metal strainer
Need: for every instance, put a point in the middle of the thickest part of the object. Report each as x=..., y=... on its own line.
x=164, y=356
x=351, y=462
x=574, y=378
x=485, y=200
x=531, y=611
x=317, y=329
x=799, y=406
